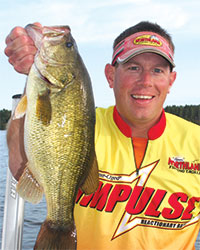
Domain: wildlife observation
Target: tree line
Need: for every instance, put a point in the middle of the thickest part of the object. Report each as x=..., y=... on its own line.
x=188, y=112
x=4, y=117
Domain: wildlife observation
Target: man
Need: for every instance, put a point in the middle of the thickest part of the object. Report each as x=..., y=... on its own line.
x=149, y=161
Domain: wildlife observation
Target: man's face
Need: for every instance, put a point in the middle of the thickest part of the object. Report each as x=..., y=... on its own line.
x=140, y=87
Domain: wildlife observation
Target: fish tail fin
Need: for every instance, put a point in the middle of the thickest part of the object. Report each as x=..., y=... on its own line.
x=56, y=238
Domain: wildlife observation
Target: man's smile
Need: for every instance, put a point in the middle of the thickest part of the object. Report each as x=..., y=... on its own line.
x=142, y=97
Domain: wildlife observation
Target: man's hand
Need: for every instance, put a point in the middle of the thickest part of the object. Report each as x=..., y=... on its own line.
x=20, y=49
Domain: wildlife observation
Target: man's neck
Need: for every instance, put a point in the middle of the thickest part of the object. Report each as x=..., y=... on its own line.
x=149, y=130
x=141, y=129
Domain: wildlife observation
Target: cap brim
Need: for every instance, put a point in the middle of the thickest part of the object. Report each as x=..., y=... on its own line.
x=131, y=53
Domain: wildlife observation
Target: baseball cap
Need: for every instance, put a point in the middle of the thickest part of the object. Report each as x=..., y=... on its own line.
x=142, y=42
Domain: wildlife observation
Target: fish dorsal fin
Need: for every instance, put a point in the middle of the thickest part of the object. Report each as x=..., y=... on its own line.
x=28, y=187
x=92, y=181
x=43, y=108
x=20, y=110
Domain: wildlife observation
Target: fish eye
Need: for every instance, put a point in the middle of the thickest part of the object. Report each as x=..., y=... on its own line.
x=69, y=44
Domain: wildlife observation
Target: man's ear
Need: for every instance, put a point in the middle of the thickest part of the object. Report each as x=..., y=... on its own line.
x=172, y=79
x=109, y=73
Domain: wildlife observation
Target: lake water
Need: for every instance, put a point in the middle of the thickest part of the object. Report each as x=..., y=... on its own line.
x=34, y=215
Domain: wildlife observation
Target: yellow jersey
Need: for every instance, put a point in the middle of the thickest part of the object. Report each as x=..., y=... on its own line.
x=155, y=206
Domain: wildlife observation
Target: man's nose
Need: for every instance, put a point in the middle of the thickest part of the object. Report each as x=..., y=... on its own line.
x=146, y=78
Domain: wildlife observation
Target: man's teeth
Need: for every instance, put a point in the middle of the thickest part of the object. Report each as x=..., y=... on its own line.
x=142, y=97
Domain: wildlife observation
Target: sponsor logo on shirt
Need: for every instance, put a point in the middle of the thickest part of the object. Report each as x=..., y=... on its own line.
x=143, y=205
x=181, y=165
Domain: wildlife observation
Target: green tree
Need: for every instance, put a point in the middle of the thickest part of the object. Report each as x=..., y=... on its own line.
x=188, y=112
x=4, y=117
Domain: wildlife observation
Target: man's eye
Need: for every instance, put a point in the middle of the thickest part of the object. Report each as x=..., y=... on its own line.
x=134, y=68
x=157, y=70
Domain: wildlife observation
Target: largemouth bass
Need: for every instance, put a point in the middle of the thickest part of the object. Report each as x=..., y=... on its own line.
x=58, y=134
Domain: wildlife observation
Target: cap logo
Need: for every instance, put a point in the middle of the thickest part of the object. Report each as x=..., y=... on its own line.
x=150, y=40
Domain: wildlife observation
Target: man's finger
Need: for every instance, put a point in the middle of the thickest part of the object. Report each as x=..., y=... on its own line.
x=23, y=66
x=16, y=32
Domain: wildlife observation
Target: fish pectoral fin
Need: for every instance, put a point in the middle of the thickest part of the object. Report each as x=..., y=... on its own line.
x=20, y=110
x=28, y=187
x=43, y=108
x=92, y=181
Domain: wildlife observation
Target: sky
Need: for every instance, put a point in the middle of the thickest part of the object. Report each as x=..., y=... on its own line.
x=95, y=25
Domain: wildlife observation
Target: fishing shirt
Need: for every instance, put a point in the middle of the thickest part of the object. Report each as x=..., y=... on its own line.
x=154, y=204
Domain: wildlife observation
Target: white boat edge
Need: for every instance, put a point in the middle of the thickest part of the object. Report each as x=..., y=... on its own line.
x=13, y=221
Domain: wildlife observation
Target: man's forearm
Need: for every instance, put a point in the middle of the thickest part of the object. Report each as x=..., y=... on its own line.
x=16, y=152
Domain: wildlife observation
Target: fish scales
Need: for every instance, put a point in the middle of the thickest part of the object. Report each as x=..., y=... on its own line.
x=59, y=135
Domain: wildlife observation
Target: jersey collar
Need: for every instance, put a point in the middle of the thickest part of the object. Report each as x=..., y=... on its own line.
x=154, y=132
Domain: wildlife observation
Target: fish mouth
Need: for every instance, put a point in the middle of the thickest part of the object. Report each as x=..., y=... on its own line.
x=48, y=60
